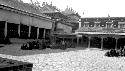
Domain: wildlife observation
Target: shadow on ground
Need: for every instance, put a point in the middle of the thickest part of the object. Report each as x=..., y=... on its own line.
x=14, y=49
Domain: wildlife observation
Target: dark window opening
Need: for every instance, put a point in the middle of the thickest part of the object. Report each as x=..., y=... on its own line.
x=24, y=31
x=12, y=30
x=41, y=33
x=33, y=34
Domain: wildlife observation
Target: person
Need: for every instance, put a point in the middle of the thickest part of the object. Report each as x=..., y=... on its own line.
x=123, y=51
x=63, y=42
x=120, y=51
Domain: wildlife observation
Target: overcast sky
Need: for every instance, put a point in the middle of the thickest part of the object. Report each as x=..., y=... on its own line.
x=91, y=8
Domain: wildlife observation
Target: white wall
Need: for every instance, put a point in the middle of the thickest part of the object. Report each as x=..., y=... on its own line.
x=66, y=28
x=17, y=18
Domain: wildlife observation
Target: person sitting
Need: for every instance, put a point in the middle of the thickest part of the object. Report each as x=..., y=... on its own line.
x=120, y=51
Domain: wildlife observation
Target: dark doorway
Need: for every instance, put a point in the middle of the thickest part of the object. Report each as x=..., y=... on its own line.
x=47, y=34
x=12, y=30
x=41, y=33
x=109, y=43
x=75, y=40
x=33, y=34
x=84, y=41
x=2, y=26
x=121, y=43
x=58, y=40
x=95, y=42
x=24, y=30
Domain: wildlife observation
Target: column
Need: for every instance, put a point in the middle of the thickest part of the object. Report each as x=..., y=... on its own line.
x=37, y=33
x=89, y=41
x=44, y=34
x=19, y=30
x=77, y=40
x=29, y=31
x=116, y=38
x=5, y=30
x=102, y=42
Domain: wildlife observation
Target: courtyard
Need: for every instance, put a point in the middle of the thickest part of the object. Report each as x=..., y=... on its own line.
x=71, y=59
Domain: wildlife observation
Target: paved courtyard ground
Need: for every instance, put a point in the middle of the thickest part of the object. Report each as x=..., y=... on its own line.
x=72, y=59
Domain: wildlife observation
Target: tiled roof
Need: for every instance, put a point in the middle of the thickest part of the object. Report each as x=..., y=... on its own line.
x=102, y=30
x=103, y=18
x=56, y=15
x=76, y=14
x=21, y=6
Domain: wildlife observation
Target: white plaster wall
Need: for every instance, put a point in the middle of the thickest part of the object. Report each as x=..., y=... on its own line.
x=66, y=28
x=24, y=19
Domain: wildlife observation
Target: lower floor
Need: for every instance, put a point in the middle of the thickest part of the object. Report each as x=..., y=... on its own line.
x=103, y=41
x=22, y=31
x=97, y=41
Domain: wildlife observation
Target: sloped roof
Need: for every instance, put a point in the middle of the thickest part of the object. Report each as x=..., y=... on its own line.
x=103, y=18
x=75, y=14
x=56, y=15
x=48, y=9
x=101, y=30
x=21, y=6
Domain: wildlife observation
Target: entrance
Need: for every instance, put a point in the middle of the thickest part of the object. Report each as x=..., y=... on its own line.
x=12, y=30
x=2, y=26
x=41, y=33
x=33, y=34
x=24, y=30
x=95, y=42
x=109, y=43
x=121, y=43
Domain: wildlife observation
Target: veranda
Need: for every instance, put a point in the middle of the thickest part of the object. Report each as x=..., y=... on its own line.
x=103, y=40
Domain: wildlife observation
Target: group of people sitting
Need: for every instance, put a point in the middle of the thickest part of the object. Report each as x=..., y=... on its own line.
x=116, y=52
x=62, y=45
x=43, y=44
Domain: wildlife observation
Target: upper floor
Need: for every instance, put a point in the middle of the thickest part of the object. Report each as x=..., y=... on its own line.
x=104, y=22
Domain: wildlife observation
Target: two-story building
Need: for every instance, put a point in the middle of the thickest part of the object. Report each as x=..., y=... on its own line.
x=105, y=22
x=106, y=31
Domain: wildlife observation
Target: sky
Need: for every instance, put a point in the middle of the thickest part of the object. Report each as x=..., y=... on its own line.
x=91, y=8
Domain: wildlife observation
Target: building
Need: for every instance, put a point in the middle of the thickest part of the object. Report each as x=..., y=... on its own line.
x=74, y=18
x=64, y=23
x=106, y=31
x=105, y=22
x=22, y=20
x=60, y=25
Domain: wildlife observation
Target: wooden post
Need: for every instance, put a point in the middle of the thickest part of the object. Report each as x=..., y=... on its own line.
x=19, y=30
x=116, y=38
x=29, y=31
x=102, y=42
x=5, y=30
x=77, y=40
x=89, y=41
x=37, y=33
x=44, y=34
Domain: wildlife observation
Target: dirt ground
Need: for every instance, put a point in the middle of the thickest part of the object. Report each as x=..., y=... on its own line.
x=72, y=59
x=14, y=49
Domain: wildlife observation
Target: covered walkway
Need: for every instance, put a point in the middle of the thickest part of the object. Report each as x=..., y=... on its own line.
x=17, y=21
x=105, y=38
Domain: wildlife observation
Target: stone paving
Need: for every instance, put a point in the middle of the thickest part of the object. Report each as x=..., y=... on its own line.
x=80, y=60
